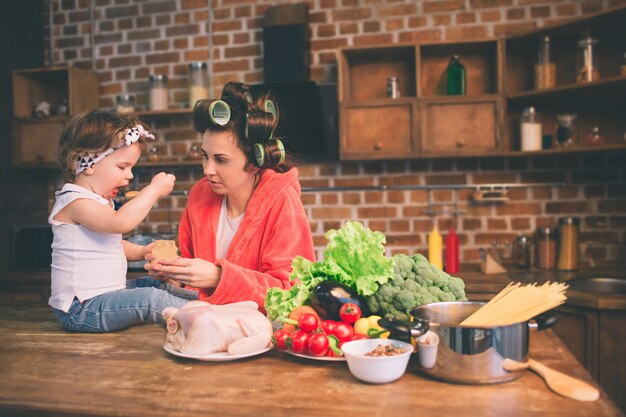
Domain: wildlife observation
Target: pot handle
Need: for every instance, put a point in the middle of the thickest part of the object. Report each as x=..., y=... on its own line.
x=543, y=321
x=404, y=330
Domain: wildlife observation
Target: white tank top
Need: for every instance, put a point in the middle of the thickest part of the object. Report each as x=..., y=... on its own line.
x=84, y=263
x=226, y=229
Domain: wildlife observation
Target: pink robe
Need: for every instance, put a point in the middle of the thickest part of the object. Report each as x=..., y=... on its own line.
x=274, y=230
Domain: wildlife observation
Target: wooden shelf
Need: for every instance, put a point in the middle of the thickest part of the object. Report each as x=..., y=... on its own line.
x=571, y=150
x=363, y=72
x=164, y=114
x=609, y=90
x=170, y=164
x=608, y=24
x=47, y=119
x=481, y=59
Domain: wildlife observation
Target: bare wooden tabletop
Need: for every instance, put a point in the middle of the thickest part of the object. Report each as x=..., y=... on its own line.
x=48, y=372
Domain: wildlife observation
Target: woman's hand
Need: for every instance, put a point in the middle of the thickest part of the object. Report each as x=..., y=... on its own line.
x=195, y=272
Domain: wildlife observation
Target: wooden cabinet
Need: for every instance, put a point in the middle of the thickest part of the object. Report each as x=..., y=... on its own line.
x=597, y=340
x=461, y=126
x=374, y=126
x=598, y=103
x=36, y=138
x=423, y=120
x=500, y=85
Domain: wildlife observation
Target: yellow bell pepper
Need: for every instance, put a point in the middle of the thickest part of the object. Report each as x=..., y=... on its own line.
x=369, y=327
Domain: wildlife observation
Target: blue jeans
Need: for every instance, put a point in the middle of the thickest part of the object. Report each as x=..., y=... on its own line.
x=141, y=302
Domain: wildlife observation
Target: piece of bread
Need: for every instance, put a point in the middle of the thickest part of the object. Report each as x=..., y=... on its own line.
x=165, y=250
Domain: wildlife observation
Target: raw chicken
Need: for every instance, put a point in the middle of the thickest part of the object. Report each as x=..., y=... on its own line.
x=200, y=328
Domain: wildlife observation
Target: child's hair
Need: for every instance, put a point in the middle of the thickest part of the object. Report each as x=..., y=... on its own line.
x=92, y=131
x=249, y=124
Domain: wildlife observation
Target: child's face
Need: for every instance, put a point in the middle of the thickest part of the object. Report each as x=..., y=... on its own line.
x=225, y=165
x=113, y=172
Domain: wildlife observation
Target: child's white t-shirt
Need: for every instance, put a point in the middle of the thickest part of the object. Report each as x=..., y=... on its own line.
x=226, y=229
x=85, y=263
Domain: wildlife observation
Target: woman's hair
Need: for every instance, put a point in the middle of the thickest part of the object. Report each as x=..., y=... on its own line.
x=249, y=124
x=92, y=131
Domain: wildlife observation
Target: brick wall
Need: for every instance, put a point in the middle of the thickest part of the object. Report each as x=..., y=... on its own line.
x=127, y=40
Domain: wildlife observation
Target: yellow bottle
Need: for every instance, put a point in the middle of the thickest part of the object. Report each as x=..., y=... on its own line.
x=435, y=248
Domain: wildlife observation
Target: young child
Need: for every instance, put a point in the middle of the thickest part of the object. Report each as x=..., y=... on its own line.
x=97, y=151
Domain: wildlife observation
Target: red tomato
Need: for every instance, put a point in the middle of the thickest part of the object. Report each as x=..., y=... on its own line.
x=298, y=341
x=350, y=312
x=295, y=315
x=279, y=339
x=308, y=322
x=318, y=344
x=358, y=336
x=327, y=326
x=343, y=332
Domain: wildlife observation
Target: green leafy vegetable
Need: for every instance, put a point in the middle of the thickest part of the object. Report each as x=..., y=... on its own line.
x=354, y=256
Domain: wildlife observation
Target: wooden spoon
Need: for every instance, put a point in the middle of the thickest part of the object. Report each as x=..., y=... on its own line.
x=558, y=382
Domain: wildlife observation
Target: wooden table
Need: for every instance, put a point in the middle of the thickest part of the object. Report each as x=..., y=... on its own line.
x=48, y=372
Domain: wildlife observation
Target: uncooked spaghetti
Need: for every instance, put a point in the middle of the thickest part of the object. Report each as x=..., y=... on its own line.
x=517, y=303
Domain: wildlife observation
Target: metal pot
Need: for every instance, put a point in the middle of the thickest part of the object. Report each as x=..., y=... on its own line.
x=468, y=355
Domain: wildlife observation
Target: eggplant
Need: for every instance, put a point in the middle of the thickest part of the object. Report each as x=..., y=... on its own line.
x=328, y=297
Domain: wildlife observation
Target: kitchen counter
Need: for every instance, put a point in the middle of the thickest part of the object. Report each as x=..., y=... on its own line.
x=46, y=371
x=481, y=287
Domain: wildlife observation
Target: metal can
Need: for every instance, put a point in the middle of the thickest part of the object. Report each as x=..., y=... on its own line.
x=392, y=87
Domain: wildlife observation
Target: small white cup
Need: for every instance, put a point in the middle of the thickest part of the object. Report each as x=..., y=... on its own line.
x=427, y=346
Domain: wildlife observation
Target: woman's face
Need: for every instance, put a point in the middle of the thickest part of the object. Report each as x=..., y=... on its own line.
x=224, y=164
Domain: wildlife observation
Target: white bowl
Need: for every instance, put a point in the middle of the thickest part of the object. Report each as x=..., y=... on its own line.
x=376, y=369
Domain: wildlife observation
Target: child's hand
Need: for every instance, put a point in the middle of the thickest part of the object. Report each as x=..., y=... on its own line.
x=163, y=183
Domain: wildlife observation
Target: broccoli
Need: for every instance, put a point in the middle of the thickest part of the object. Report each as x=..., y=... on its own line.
x=415, y=282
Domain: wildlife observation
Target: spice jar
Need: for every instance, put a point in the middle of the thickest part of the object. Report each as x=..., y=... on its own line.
x=566, y=130
x=153, y=154
x=595, y=137
x=158, y=92
x=198, y=82
x=124, y=103
x=392, y=87
x=530, y=127
x=568, y=248
x=545, y=247
x=545, y=69
x=588, y=60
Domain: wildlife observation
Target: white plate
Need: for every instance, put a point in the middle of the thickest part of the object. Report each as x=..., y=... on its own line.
x=214, y=357
x=316, y=358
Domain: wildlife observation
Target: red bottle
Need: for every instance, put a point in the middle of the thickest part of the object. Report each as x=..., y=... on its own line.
x=452, y=252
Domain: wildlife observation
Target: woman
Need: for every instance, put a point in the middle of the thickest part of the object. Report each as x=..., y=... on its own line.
x=244, y=223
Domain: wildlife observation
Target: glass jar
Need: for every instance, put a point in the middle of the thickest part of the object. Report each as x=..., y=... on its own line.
x=545, y=69
x=125, y=103
x=158, y=92
x=588, y=60
x=595, y=137
x=566, y=130
x=392, y=87
x=455, y=77
x=530, y=129
x=153, y=154
x=194, y=153
x=622, y=68
x=545, y=248
x=522, y=251
x=568, y=248
x=198, y=82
